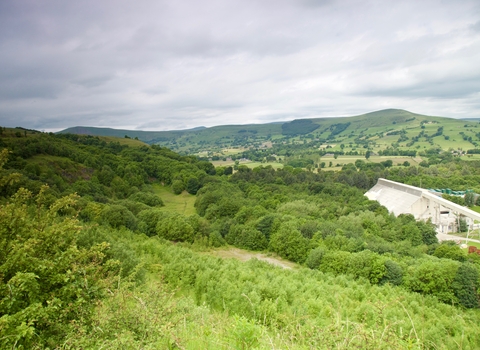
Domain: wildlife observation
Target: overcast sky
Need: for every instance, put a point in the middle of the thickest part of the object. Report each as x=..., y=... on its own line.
x=160, y=65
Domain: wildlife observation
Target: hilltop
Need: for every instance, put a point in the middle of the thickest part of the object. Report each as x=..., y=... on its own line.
x=390, y=132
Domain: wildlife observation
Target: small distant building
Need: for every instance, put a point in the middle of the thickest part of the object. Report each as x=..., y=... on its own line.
x=423, y=204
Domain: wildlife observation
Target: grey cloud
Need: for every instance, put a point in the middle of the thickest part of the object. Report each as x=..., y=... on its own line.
x=186, y=63
x=30, y=90
x=434, y=90
x=476, y=27
x=156, y=90
x=94, y=81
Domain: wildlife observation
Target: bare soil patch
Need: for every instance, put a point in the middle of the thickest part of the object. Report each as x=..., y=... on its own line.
x=244, y=255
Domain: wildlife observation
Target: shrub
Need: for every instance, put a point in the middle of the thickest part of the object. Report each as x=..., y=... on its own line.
x=289, y=243
x=134, y=207
x=246, y=237
x=314, y=258
x=117, y=216
x=465, y=286
x=178, y=186
x=393, y=274
x=192, y=185
x=450, y=251
x=48, y=283
x=216, y=240
x=433, y=277
x=149, y=219
x=175, y=227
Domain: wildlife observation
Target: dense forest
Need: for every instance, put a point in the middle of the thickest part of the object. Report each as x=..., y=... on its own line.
x=91, y=257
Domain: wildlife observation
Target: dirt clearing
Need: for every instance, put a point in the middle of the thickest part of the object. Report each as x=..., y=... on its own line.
x=244, y=255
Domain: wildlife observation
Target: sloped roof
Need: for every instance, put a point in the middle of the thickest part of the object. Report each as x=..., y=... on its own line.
x=397, y=198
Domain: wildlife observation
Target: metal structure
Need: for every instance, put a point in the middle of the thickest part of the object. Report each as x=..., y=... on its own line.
x=423, y=204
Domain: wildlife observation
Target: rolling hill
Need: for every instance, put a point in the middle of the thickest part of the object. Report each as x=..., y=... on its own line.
x=386, y=129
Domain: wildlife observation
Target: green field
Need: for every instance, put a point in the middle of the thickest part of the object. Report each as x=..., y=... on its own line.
x=338, y=163
x=182, y=203
x=257, y=164
x=471, y=157
x=251, y=165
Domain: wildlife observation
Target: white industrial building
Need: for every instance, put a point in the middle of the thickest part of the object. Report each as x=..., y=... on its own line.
x=423, y=205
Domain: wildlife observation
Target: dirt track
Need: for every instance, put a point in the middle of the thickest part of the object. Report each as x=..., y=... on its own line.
x=244, y=255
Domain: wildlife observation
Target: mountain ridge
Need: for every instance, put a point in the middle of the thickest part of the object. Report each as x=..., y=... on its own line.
x=390, y=112
x=386, y=128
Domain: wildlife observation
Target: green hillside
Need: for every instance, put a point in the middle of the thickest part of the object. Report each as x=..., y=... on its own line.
x=195, y=136
x=111, y=245
x=395, y=131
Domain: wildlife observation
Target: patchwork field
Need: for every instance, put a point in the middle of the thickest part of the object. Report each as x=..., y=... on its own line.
x=379, y=129
x=250, y=164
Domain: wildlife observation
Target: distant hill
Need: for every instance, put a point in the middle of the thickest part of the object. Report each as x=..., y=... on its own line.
x=146, y=136
x=379, y=130
x=199, y=135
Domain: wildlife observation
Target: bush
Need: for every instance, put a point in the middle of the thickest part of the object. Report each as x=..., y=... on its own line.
x=117, y=216
x=335, y=262
x=246, y=237
x=289, y=243
x=368, y=265
x=134, y=207
x=178, y=186
x=393, y=274
x=149, y=219
x=314, y=258
x=175, y=227
x=48, y=283
x=216, y=240
x=192, y=185
x=92, y=212
x=465, y=286
x=450, y=251
x=434, y=278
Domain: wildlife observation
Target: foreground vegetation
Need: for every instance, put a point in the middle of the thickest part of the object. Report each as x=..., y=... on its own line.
x=87, y=259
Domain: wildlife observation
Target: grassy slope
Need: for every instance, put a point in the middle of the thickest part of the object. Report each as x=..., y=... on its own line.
x=255, y=305
x=374, y=127
x=123, y=141
x=182, y=203
x=120, y=138
x=120, y=133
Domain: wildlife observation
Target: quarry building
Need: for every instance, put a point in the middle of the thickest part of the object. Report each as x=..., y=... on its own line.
x=423, y=204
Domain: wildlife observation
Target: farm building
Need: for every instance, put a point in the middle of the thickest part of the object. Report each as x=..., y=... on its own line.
x=423, y=205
